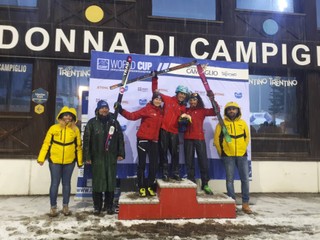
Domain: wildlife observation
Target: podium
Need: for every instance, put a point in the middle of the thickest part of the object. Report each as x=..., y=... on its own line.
x=175, y=200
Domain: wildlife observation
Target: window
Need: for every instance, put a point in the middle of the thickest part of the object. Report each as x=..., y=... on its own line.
x=15, y=87
x=318, y=13
x=192, y=9
x=19, y=3
x=273, y=104
x=267, y=5
x=71, y=81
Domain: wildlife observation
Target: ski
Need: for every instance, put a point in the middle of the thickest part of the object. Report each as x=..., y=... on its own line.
x=149, y=75
x=123, y=83
x=120, y=95
x=214, y=104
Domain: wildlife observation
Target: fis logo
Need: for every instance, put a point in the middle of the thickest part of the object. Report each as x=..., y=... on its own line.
x=143, y=102
x=238, y=95
x=123, y=128
x=163, y=66
x=103, y=64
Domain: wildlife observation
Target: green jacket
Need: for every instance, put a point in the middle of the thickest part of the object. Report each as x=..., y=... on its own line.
x=104, y=163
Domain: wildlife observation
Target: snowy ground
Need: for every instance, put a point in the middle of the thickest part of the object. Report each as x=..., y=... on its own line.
x=277, y=216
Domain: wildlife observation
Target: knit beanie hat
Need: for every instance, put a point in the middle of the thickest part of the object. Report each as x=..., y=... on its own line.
x=102, y=104
x=156, y=95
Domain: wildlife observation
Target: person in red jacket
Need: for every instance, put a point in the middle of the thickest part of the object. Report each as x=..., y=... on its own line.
x=194, y=140
x=169, y=135
x=147, y=141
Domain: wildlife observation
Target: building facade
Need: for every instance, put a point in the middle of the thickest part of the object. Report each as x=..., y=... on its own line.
x=45, y=53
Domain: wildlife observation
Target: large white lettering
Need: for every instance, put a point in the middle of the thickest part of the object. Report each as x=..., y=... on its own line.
x=71, y=40
x=158, y=46
x=69, y=43
x=157, y=39
x=119, y=44
x=305, y=57
x=193, y=48
x=284, y=54
x=221, y=50
x=318, y=56
x=45, y=39
x=171, y=46
x=268, y=53
x=241, y=52
x=88, y=38
x=14, y=38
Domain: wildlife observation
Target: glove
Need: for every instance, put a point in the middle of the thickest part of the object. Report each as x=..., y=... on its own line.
x=154, y=74
x=118, y=106
x=210, y=94
x=186, y=117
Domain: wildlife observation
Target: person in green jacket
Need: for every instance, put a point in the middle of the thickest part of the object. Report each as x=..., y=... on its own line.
x=103, y=156
x=63, y=146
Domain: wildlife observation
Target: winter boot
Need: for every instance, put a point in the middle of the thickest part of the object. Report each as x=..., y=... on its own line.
x=53, y=212
x=207, y=190
x=65, y=210
x=165, y=178
x=142, y=192
x=110, y=208
x=246, y=209
x=177, y=177
x=151, y=192
x=165, y=173
x=97, y=203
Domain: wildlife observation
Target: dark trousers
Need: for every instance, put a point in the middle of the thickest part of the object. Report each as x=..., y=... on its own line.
x=150, y=148
x=98, y=200
x=169, y=142
x=198, y=146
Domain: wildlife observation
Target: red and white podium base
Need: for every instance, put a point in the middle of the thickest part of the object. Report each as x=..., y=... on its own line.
x=176, y=200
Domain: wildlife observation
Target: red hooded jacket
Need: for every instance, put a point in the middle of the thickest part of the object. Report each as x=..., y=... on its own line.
x=195, y=128
x=172, y=110
x=151, y=118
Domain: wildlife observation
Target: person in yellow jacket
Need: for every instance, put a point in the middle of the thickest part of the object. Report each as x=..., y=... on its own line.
x=234, y=153
x=63, y=147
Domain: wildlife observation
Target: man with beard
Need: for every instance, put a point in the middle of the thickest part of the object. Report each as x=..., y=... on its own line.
x=234, y=153
x=103, y=161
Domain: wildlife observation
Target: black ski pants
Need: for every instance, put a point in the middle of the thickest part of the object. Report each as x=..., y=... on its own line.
x=169, y=142
x=151, y=149
x=198, y=146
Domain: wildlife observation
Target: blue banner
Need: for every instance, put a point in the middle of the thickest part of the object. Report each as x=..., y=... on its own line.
x=228, y=80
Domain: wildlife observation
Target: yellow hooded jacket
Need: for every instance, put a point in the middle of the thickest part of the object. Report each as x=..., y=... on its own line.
x=63, y=142
x=239, y=132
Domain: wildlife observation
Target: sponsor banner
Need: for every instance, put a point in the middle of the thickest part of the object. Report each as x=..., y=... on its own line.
x=228, y=80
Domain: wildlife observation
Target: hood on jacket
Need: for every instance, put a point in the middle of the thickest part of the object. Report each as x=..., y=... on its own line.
x=232, y=104
x=66, y=109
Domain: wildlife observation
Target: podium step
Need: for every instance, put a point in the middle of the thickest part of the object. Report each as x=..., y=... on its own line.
x=176, y=200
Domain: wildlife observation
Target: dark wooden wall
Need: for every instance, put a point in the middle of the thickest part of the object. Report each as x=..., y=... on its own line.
x=22, y=135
